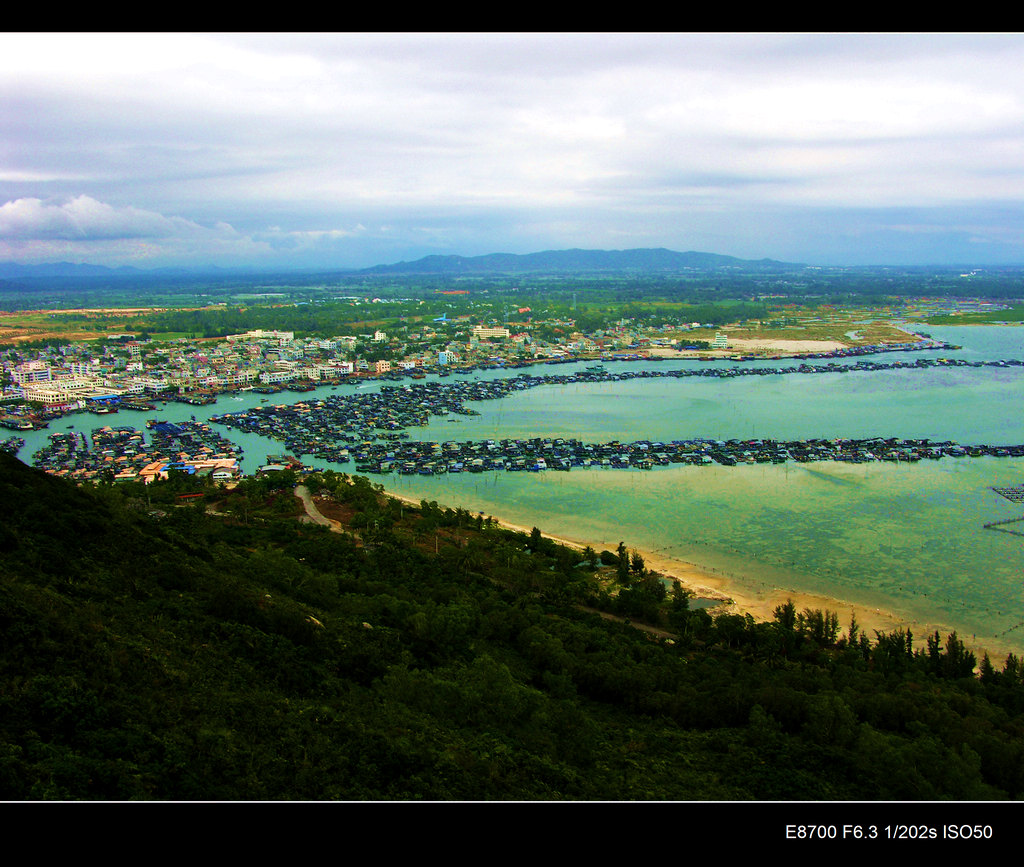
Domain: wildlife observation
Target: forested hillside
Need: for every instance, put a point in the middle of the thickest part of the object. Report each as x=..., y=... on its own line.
x=155, y=647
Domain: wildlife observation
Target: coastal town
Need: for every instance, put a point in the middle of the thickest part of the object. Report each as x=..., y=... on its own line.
x=44, y=378
x=46, y=383
x=370, y=429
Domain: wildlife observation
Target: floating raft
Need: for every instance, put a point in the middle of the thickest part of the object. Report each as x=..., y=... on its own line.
x=1014, y=494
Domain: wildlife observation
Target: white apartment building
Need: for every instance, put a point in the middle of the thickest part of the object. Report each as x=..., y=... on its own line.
x=236, y=378
x=481, y=332
x=260, y=334
x=148, y=383
x=31, y=371
x=83, y=368
x=45, y=394
x=69, y=390
x=270, y=377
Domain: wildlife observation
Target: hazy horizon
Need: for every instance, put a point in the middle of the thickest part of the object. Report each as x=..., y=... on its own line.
x=9, y=269
x=344, y=151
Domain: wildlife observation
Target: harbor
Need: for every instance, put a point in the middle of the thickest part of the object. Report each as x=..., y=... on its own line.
x=123, y=453
x=901, y=535
x=368, y=430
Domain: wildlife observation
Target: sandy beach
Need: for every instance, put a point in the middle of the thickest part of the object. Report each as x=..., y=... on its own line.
x=707, y=584
x=760, y=603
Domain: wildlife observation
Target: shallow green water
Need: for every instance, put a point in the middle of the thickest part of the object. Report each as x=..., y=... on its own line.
x=904, y=538
x=907, y=538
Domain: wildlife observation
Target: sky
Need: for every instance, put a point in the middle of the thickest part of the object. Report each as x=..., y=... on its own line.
x=318, y=151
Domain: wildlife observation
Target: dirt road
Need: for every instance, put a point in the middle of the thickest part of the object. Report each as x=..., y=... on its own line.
x=312, y=512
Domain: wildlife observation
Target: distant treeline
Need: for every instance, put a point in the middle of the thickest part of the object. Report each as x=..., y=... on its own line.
x=862, y=285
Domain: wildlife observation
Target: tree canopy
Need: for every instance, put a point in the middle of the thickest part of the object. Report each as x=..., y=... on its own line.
x=204, y=651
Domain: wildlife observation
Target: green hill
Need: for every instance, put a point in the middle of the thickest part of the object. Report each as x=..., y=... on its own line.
x=218, y=648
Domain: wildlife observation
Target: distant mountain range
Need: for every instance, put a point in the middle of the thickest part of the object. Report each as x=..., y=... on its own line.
x=643, y=259
x=652, y=260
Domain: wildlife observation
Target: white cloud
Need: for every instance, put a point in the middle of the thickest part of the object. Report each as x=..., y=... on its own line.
x=83, y=228
x=314, y=133
x=85, y=219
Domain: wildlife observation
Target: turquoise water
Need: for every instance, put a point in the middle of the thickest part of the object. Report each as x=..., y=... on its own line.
x=905, y=538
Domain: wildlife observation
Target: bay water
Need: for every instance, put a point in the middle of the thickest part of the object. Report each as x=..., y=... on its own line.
x=906, y=538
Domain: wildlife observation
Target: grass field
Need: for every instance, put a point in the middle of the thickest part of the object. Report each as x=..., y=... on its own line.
x=27, y=326
x=1014, y=314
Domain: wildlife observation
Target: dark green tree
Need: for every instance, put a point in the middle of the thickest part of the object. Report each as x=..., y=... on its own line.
x=622, y=565
x=636, y=564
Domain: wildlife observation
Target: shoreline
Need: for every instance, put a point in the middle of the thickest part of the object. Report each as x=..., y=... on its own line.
x=738, y=597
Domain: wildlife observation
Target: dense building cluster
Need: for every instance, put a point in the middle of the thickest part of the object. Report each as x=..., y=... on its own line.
x=370, y=429
x=124, y=454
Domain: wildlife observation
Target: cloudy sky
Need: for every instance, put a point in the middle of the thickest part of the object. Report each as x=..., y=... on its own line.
x=351, y=150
